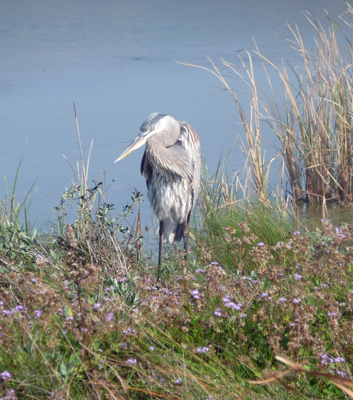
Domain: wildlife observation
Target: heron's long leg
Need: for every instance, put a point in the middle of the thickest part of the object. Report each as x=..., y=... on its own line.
x=161, y=237
x=186, y=239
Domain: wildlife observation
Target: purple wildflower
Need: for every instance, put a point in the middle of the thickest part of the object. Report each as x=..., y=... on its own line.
x=69, y=319
x=339, y=359
x=214, y=263
x=343, y=374
x=218, y=313
x=242, y=315
x=261, y=244
x=39, y=258
x=151, y=348
x=132, y=361
x=281, y=300
x=202, y=349
x=225, y=300
x=10, y=394
x=297, y=277
x=324, y=358
x=96, y=306
x=331, y=314
x=129, y=331
x=5, y=375
x=123, y=345
x=177, y=381
x=38, y=313
x=109, y=317
x=264, y=295
x=195, y=293
x=296, y=301
x=33, y=280
x=296, y=233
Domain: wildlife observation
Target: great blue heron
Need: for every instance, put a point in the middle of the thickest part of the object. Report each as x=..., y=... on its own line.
x=171, y=165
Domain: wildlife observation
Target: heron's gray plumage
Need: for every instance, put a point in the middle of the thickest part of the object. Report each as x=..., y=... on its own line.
x=171, y=165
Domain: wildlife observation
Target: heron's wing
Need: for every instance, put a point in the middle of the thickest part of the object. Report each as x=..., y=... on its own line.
x=146, y=169
x=182, y=159
x=170, y=162
x=191, y=143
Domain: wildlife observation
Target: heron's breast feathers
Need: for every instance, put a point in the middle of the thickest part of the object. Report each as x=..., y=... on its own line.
x=170, y=200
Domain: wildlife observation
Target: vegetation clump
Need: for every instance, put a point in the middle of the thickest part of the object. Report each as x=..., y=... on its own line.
x=74, y=327
x=312, y=120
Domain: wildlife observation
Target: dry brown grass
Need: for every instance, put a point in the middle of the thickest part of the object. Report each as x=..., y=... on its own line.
x=313, y=121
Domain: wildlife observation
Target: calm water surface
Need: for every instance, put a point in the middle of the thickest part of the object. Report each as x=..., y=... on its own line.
x=118, y=60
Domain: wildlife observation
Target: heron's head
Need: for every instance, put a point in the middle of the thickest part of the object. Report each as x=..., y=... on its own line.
x=155, y=123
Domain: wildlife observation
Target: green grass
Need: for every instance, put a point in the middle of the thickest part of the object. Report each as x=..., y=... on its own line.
x=82, y=317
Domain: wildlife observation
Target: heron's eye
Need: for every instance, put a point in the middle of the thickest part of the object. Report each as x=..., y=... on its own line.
x=151, y=128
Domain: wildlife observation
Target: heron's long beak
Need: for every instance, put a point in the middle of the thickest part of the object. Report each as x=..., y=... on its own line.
x=139, y=141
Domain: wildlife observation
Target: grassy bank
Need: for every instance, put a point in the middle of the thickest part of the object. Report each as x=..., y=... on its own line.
x=82, y=315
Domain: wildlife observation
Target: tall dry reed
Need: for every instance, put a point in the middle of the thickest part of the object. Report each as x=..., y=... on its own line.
x=315, y=124
x=313, y=119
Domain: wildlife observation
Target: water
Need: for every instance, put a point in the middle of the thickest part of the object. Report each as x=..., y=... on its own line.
x=118, y=60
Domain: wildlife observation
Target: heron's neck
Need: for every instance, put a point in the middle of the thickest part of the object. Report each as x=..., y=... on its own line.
x=162, y=140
